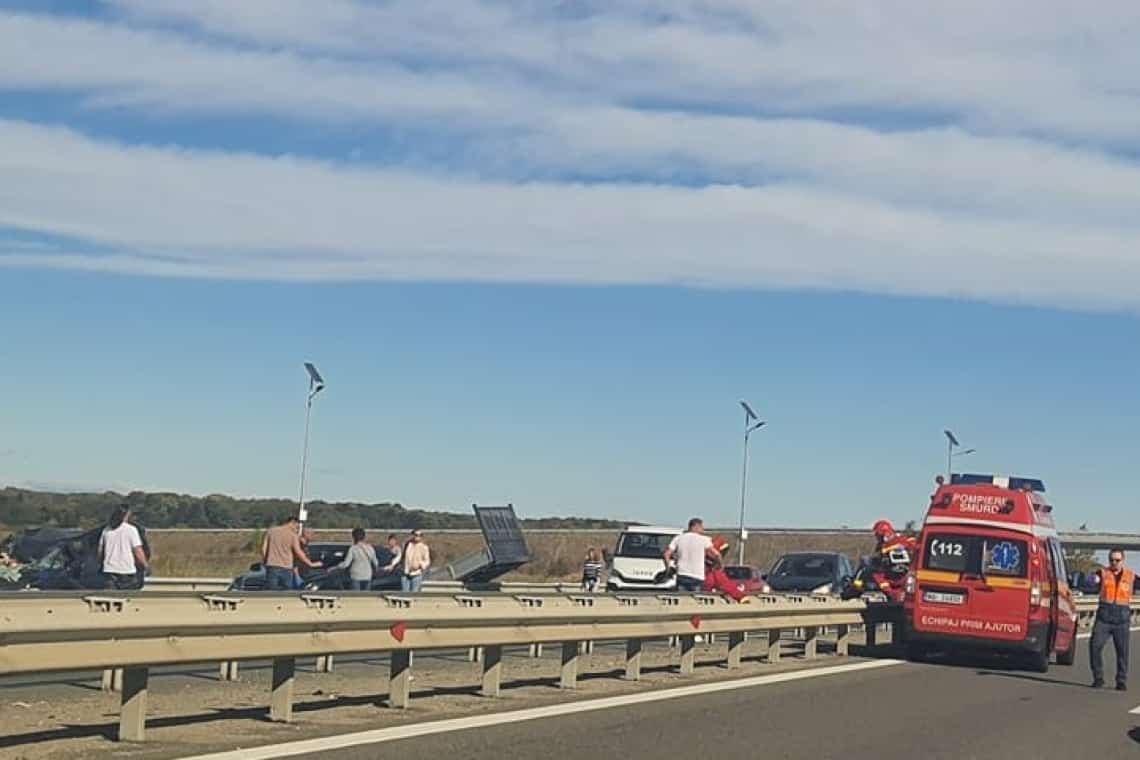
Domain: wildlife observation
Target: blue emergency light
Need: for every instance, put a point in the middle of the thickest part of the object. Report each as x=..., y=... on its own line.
x=1001, y=481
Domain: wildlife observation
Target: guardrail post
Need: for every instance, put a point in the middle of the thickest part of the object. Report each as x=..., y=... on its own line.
x=475, y=654
x=735, y=648
x=586, y=647
x=132, y=715
x=811, y=643
x=492, y=669
x=228, y=670
x=535, y=650
x=569, y=678
x=896, y=633
x=112, y=680
x=324, y=663
x=633, y=660
x=281, y=698
x=774, y=645
x=688, y=654
x=400, y=678
x=842, y=639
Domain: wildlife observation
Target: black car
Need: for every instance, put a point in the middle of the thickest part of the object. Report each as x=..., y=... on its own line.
x=324, y=578
x=57, y=559
x=810, y=572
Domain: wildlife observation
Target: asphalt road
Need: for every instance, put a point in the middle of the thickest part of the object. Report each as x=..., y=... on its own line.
x=954, y=710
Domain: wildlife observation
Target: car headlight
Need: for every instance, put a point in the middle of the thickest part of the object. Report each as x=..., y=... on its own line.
x=615, y=575
x=824, y=589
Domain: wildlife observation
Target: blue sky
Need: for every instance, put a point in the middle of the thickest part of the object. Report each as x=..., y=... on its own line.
x=540, y=251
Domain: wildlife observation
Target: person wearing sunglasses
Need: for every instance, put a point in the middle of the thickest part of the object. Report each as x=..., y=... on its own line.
x=417, y=560
x=1113, y=615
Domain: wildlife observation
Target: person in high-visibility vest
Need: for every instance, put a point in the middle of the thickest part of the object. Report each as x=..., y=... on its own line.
x=1112, y=619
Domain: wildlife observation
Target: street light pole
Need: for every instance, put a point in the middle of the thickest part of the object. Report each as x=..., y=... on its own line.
x=316, y=385
x=951, y=444
x=751, y=423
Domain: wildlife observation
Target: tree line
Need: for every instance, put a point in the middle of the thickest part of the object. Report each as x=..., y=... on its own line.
x=24, y=508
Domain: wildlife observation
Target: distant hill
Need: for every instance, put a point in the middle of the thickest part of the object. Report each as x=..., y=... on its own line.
x=23, y=508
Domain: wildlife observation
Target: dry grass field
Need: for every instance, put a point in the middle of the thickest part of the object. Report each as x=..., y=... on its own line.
x=556, y=555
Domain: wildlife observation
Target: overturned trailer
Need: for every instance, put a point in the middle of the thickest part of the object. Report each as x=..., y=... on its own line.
x=504, y=548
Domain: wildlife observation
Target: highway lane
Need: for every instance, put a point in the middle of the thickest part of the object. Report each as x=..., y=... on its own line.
x=951, y=709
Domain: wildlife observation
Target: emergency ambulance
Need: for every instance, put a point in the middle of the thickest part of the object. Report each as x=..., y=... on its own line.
x=990, y=574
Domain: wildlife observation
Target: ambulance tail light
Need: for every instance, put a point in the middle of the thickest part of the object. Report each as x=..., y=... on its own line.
x=1035, y=597
x=911, y=584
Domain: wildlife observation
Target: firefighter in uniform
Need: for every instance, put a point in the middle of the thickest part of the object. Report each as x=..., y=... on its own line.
x=716, y=579
x=1112, y=619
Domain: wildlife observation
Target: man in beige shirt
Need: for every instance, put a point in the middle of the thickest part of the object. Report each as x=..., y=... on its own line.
x=279, y=550
x=417, y=559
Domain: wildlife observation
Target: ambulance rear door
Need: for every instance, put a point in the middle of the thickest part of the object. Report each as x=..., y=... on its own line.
x=975, y=583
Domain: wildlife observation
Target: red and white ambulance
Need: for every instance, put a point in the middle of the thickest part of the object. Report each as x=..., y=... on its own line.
x=990, y=574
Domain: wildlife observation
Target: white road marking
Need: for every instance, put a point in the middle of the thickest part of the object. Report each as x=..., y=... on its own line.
x=380, y=735
x=1134, y=711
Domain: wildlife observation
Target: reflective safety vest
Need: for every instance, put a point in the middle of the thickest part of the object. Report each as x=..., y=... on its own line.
x=1117, y=592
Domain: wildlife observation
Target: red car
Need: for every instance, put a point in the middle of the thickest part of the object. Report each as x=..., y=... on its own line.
x=748, y=579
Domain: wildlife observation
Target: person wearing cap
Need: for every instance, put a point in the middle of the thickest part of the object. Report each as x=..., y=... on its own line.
x=417, y=559
x=1113, y=614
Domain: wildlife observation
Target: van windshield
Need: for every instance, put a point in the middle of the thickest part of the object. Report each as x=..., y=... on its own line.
x=976, y=555
x=643, y=545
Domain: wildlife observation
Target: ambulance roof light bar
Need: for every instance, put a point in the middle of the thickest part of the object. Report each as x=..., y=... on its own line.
x=1001, y=481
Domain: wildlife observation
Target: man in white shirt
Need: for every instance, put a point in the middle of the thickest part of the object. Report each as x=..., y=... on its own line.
x=690, y=549
x=121, y=551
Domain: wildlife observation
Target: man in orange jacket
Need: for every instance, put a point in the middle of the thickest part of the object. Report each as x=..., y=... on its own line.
x=1113, y=616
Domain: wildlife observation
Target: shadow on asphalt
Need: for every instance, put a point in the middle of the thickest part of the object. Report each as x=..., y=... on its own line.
x=109, y=730
x=261, y=713
x=1027, y=677
x=1134, y=734
x=880, y=652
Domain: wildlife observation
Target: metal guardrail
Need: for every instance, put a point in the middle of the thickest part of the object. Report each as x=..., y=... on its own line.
x=62, y=632
x=71, y=631
x=223, y=584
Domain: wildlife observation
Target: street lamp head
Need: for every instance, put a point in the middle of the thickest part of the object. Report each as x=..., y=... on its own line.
x=748, y=411
x=951, y=438
x=757, y=426
x=314, y=377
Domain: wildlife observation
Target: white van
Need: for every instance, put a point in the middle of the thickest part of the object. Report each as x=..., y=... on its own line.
x=637, y=562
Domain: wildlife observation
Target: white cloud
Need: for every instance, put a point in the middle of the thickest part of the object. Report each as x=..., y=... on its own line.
x=170, y=211
x=1023, y=66
x=1016, y=183
x=118, y=67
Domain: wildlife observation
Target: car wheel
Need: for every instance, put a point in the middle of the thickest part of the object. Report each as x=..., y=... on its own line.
x=916, y=652
x=1039, y=660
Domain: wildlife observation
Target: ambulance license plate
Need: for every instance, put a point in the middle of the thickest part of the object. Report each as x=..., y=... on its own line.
x=941, y=597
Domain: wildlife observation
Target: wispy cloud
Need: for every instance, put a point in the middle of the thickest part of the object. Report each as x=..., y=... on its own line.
x=980, y=151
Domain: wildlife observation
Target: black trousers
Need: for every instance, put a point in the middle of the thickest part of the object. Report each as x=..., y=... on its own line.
x=120, y=582
x=1119, y=634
